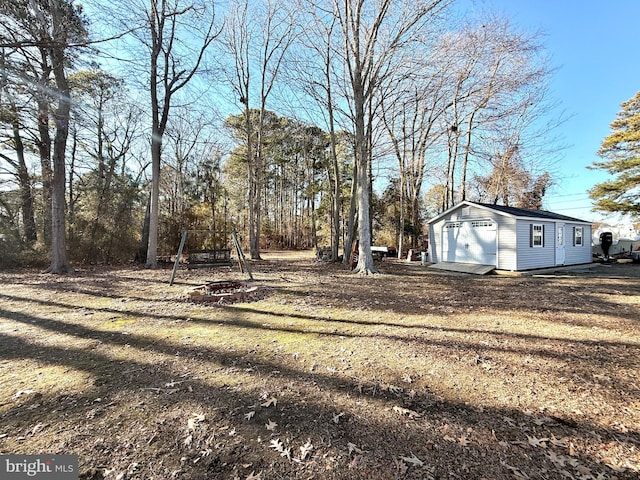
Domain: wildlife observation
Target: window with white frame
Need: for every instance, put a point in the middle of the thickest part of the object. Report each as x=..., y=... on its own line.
x=537, y=235
x=577, y=236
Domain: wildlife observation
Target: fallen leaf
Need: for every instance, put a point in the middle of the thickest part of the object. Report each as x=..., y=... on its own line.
x=509, y=421
x=558, y=460
x=286, y=453
x=277, y=445
x=271, y=426
x=413, y=460
x=406, y=411
x=538, y=442
x=23, y=392
x=37, y=428
x=395, y=390
x=557, y=442
x=249, y=415
x=464, y=441
x=336, y=418
x=543, y=420
x=305, y=450
x=172, y=384
x=355, y=461
x=353, y=448
x=198, y=417
x=206, y=452
x=254, y=477
x=272, y=401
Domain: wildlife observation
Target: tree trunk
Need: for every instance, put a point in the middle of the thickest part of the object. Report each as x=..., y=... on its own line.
x=44, y=150
x=141, y=256
x=365, y=259
x=401, y=241
x=353, y=219
x=59, y=261
x=156, y=134
x=154, y=201
x=24, y=180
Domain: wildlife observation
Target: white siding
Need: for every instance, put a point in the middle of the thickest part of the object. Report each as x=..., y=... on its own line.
x=507, y=243
x=435, y=241
x=514, y=250
x=536, y=257
x=575, y=255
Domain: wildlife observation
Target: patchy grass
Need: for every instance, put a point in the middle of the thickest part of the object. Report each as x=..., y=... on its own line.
x=409, y=374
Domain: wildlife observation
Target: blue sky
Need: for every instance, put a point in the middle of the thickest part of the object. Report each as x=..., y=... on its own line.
x=594, y=45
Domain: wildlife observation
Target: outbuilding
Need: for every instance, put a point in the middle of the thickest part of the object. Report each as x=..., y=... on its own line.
x=508, y=238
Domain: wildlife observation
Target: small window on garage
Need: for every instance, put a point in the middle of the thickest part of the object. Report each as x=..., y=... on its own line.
x=577, y=236
x=537, y=235
x=481, y=223
x=453, y=225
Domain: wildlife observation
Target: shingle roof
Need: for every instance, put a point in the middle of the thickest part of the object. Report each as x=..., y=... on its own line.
x=523, y=212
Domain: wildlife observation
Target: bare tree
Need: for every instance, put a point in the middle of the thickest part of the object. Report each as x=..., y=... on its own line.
x=499, y=92
x=50, y=27
x=173, y=63
x=373, y=34
x=12, y=114
x=314, y=72
x=105, y=127
x=411, y=112
x=257, y=41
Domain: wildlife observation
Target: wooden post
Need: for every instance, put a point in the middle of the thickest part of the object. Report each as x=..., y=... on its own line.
x=241, y=258
x=177, y=262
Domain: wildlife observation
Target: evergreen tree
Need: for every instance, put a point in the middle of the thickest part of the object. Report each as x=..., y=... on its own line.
x=621, y=153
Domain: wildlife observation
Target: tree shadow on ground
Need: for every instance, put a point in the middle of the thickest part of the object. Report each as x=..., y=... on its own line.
x=133, y=421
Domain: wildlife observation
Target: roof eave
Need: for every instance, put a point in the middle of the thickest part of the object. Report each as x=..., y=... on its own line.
x=505, y=214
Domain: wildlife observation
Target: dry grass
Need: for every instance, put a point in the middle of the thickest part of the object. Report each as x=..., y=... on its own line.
x=409, y=374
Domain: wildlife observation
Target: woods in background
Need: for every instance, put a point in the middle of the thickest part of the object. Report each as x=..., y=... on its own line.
x=297, y=124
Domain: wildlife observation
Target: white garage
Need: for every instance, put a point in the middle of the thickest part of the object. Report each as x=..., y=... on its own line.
x=472, y=241
x=508, y=238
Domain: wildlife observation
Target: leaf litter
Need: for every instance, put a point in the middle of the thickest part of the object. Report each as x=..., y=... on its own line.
x=558, y=401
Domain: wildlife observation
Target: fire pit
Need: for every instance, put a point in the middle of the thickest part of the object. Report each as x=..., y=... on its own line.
x=224, y=291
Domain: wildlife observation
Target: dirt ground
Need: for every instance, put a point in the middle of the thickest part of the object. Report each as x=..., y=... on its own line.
x=321, y=374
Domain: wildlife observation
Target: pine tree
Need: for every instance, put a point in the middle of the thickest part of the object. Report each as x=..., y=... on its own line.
x=621, y=153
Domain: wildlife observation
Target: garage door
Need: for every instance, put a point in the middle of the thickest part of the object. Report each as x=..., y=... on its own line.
x=470, y=242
